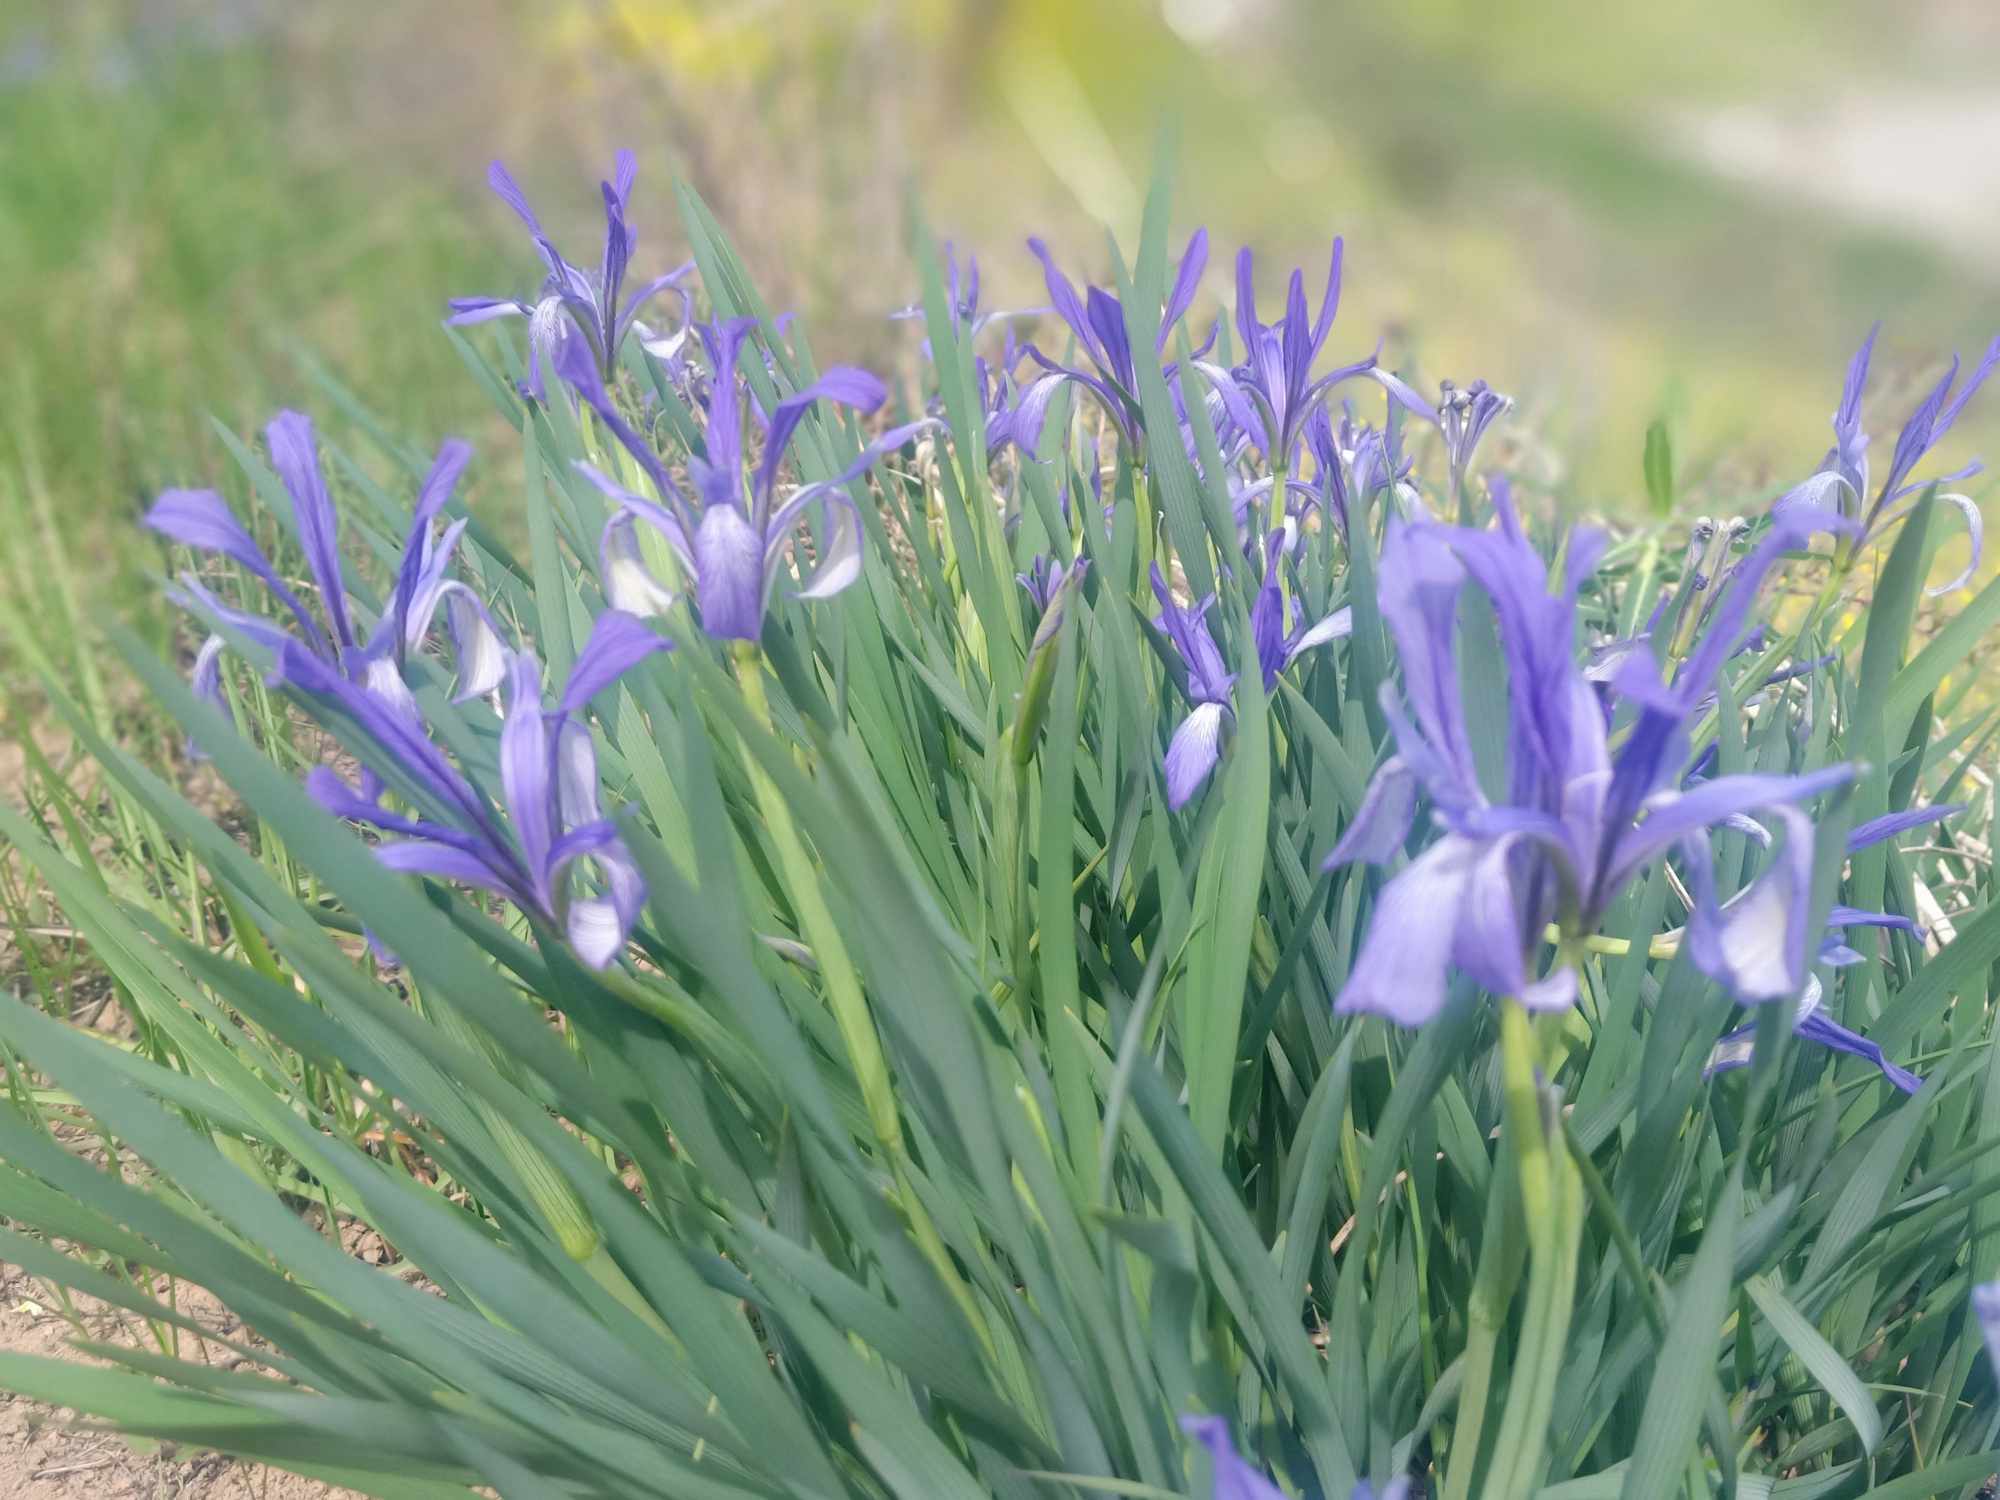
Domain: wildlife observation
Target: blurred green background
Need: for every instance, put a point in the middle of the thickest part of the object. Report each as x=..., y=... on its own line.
x=1613, y=211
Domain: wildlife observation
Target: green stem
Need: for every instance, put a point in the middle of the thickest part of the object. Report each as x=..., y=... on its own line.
x=843, y=984
x=843, y=991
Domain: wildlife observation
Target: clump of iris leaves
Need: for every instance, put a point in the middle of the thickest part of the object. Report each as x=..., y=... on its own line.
x=1128, y=921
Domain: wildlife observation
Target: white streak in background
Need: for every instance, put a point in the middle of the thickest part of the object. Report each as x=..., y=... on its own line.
x=1927, y=164
x=1199, y=22
x=1049, y=102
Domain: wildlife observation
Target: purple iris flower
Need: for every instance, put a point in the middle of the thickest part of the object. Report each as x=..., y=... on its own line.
x=734, y=545
x=201, y=519
x=1986, y=1308
x=1236, y=1479
x=1569, y=832
x=590, y=298
x=1278, y=647
x=1097, y=319
x=1276, y=374
x=1046, y=575
x=1734, y=1049
x=1840, y=485
x=1197, y=744
x=1015, y=411
x=548, y=777
x=1463, y=417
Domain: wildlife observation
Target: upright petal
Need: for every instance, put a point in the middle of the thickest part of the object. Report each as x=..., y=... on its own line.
x=1187, y=279
x=1234, y=1479
x=201, y=519
x=296, y=458
x=502, y=182
x=1330, y=303
x=1068, y=306
x=618, y=642
x=843, y=384
x=1247, y=326
x=720, y=476
x=1418, y=595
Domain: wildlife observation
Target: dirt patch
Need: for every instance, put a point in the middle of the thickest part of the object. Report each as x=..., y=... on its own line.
x=49, y=1453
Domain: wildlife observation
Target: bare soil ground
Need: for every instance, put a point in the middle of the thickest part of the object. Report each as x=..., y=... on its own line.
x=53, y=1454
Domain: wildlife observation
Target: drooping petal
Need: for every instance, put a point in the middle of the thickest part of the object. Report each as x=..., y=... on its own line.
x=1821, y=1028
x=1193, y=751
x=1332, y=627
x=425, y=774
x=202, y=519
x=295, y=456
x=618, y=642
x=526, y=771
x=1406, y=954
x=1234, y=1479
x=423, y=857
x=1554, y=991
x=1986, y=1308
x=1975, y=532
x=483, y=309
x=729, y=575
x=1733, y=1049
x=671, y=524
x=1851, y=916
x=476, y=642
x=599, y=925
x=1382, y=821
x=839, y=561
x=1877, y=829
x=1671, y=817
x=576, y=775
x=1486, y=940
x=629, y=585
x=1755, y=945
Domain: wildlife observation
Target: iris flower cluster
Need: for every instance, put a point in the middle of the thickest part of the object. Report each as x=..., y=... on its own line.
x=574, y=302
x=548, y=765
x=731, y=540
x=548, y=777
x=1572, y=821
x=1840, y=487
x=203, y=521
